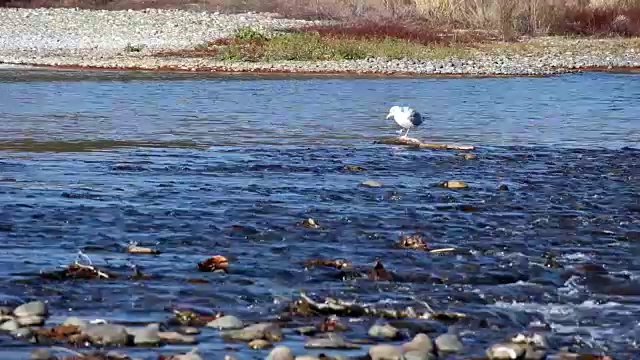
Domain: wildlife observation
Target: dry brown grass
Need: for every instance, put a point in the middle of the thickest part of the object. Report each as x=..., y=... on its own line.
x=508, y=17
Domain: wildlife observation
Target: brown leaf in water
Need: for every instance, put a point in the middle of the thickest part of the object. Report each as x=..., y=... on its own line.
x=415, y=241
x=214, y=263
x=333, y=263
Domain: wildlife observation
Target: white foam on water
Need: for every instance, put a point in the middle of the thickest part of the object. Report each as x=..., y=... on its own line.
x=563, y=318
x=576, y=256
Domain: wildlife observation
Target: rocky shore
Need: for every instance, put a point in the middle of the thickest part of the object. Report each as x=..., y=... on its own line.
x=74, y=38
x=77, y=337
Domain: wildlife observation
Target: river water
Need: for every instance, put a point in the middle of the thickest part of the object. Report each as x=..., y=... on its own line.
x=198, y=166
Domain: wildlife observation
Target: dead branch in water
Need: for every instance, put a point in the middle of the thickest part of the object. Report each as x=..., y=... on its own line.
x=413, y=142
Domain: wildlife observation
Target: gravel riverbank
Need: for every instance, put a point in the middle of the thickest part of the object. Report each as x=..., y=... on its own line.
x=133, y=39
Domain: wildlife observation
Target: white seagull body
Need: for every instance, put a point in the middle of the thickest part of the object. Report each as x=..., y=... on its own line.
x=406, y=117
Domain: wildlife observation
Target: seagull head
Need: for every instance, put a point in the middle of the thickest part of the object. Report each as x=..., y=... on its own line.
x=394, y=110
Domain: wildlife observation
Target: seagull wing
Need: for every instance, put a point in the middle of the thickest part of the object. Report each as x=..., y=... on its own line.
x=415, y=117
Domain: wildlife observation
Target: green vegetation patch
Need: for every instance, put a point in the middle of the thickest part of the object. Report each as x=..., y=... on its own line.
x=250, y=45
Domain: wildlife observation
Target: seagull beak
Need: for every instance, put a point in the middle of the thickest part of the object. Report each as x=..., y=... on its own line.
x=389, y=116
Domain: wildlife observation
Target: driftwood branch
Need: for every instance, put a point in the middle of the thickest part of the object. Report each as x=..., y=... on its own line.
x=416, y=143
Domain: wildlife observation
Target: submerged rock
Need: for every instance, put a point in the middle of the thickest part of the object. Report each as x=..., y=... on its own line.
x=330, y=342
x=147, y=336
x=420, y=342
x=371, y=184
x=173, y=337
x=385, y=331
x=267, y=331
x=41, y=354
x=31, y=320
x=448, y=343
x=259, y=344
x=226, y=322
x=76, y=321
x=385, y=352
x=107, y=334
x=505, y=351
x=353, y=168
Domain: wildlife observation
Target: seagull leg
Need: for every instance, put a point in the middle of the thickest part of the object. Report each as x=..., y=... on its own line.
x=407, y=133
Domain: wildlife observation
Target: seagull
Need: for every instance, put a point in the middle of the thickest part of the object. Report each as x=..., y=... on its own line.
x=406, y=117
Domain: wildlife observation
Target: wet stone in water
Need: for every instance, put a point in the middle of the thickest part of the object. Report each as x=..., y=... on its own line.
x=72, y=320
x=385, y=331
x=385, y=352
x=10, y=325
x=448, y=343
x=259, y=344
x=32, y=320
x=226, y=322
x=265, y=331
x=41, y=354
x=107, y=334
x=353, y=168
x=280, y=353
x=330, y=342
x=505, y=351
x=34, y=308
x=420, y=342
x=173, y=337
x=147, y=336
x=371, y=183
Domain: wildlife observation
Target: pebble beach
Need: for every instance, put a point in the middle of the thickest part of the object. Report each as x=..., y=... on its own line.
x=103, y=39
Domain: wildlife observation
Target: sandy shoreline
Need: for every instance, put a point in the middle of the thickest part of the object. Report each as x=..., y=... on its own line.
x=67, y=39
